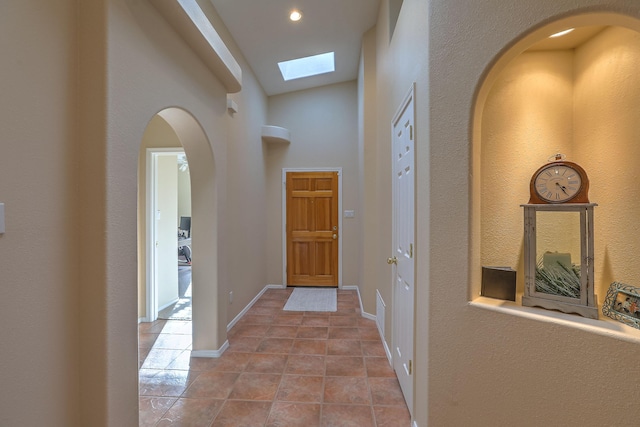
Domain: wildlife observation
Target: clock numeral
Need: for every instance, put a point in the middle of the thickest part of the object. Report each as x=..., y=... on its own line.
x=549, y=194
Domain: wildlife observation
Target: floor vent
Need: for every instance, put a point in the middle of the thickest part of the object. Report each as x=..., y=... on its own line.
x=380, y=309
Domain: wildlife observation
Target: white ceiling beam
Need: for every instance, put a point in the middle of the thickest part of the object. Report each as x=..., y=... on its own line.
x=186, y=17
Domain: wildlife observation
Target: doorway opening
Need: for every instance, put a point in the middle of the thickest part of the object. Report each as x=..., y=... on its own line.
x=206, y=332
x=168, y=201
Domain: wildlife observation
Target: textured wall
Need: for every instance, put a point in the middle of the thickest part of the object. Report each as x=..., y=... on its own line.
x=490, y=367
x=607, y=120
x=40, y=248
x=324, y=134
x=582, y=103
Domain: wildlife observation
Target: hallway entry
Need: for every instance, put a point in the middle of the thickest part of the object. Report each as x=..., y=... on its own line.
x=312, y=228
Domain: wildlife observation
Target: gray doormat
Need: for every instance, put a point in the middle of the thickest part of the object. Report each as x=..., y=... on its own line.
x=312, y=299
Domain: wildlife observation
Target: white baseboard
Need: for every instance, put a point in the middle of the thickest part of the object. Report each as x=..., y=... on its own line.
x=276, y=286
x=248, y=306
x=210, y=353
x=168, y=304
x=370, y=317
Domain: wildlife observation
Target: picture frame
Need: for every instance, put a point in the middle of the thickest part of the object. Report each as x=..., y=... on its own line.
x=623, y=304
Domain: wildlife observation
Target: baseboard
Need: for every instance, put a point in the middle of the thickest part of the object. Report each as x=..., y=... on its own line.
x=167, y=305
x=387, y=350
x=143, y=320
x=253, y=301
x=248, y=306
x=370, y=317
x=210, y=353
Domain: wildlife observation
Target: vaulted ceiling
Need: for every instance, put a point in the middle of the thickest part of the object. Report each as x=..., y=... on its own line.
x=265, y=34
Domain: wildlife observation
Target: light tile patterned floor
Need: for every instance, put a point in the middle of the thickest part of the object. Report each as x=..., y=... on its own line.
x=282, y=369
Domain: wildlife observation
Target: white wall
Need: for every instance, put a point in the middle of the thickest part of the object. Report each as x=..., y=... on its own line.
x=149, y=69
x=400, y=61
x=324, y=133
x=184, y=193
x=489, y=366
x=40, y=250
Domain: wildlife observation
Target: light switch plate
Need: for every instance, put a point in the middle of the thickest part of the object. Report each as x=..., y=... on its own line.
x=1, y=218
x=349, y=214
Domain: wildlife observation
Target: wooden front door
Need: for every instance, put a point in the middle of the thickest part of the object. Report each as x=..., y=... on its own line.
x=312, y=228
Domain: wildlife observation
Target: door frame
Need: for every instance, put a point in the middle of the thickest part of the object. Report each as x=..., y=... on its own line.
x=151, y=286
x=409, y=99
x=284, y=218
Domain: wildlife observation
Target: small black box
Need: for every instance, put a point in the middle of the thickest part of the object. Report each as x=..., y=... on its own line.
x=499, y=282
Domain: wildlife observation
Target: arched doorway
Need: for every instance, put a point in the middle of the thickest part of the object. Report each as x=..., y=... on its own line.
x=207, y=335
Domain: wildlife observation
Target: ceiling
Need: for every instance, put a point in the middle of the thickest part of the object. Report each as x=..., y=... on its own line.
x=572, y=40
x=266, y=36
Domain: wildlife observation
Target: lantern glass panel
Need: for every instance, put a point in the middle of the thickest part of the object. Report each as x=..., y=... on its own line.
x=558, y=253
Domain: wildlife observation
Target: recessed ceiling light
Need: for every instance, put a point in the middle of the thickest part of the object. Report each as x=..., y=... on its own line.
x=308, y=66
x=561, y=33
x=295, y=15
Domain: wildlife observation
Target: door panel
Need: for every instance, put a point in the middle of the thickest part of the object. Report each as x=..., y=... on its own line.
x=403, y=238
x=166, y=223
x=312, y=228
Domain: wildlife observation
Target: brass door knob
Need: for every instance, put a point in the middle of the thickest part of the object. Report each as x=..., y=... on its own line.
x=392, y=260
x=335, y=236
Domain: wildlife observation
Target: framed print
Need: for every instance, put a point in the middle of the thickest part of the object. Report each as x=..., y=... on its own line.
x=623, y=304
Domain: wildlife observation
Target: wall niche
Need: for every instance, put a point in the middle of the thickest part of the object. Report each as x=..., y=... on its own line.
x=578, y=95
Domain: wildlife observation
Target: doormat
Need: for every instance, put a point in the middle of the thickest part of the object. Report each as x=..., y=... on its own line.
x=312, y=299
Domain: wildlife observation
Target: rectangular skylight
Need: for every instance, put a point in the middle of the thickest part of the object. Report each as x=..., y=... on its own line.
x=307, y=67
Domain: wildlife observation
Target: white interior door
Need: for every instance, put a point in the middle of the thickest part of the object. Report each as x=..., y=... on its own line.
x=166, y=223
x=162, y=230
x=403, y=241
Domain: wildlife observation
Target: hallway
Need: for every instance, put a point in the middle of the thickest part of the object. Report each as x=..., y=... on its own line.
x=281, y=369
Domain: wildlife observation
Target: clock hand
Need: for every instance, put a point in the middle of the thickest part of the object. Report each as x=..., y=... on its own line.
x=563, y=188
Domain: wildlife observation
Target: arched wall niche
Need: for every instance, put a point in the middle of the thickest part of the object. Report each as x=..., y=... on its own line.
x=583, y=102
x=207, y=313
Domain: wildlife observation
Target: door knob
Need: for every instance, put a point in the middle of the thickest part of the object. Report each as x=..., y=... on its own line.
x=392, y=260
x=335, y=236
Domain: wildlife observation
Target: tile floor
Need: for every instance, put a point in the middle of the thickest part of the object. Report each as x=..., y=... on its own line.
x=282, y=369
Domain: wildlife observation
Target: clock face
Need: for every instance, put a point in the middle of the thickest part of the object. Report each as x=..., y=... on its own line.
x=557, y=183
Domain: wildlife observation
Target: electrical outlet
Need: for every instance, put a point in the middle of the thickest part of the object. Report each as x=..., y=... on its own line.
x=230, y=297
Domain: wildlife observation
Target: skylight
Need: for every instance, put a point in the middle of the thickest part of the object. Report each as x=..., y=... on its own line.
x=307, y=67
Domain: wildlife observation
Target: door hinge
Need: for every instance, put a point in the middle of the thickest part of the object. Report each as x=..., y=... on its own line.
x=411, y=132
x=410, y=250
x=410, y=367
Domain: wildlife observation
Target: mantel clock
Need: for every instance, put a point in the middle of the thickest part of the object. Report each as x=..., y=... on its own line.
x=558, y=240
